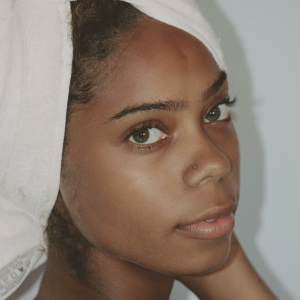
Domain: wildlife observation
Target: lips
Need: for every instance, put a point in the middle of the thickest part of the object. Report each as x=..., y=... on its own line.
x=214, y=224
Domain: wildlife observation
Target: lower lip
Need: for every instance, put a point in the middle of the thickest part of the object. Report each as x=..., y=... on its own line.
x=209, y=230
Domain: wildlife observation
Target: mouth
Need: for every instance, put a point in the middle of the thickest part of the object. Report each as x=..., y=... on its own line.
x=218, y=222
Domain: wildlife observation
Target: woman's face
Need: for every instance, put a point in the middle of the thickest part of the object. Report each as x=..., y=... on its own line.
x=156, y=153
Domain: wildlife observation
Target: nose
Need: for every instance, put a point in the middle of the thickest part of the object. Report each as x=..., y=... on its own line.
x=206, y=162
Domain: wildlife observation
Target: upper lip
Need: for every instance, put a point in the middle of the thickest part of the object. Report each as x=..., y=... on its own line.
x=212, y=214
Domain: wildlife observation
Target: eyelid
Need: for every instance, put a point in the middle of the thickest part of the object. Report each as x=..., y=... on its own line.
x=146, y=147
x=227, y=100
x=146, y=124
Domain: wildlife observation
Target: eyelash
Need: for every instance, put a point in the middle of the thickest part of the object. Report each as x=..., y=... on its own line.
x=228, y=101
x=155, y=124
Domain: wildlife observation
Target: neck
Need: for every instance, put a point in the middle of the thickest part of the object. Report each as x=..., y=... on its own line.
x=110, y=278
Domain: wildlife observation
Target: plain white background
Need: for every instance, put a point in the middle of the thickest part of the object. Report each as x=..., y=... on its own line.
x=261, y=44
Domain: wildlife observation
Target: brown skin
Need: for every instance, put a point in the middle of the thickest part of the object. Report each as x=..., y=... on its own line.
x=128, y=201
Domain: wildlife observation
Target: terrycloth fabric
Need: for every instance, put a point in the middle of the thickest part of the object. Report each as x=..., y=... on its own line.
x=35, y=70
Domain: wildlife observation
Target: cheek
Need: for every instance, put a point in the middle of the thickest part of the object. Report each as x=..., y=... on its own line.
x=117, y=204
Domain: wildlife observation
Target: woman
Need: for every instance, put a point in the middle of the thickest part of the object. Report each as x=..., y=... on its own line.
x=150, y=173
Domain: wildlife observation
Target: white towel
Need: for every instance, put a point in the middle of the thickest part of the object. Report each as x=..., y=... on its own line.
x=35, y=70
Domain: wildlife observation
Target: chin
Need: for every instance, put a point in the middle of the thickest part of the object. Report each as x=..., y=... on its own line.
x=206, y=258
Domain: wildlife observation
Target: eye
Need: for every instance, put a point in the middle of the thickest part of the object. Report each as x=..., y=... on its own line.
x=147, y=135
x=218, y=113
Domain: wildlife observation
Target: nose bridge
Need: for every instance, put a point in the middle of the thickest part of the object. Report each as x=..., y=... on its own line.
x=206, y=161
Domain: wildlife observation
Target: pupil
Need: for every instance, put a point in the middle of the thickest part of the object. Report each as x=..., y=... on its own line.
x=141, y=136
x=214, y=114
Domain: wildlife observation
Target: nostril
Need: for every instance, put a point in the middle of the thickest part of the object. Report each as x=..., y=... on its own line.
x=212, y=168
x=227, y=172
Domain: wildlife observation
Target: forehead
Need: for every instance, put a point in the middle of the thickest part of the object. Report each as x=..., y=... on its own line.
x=158, y=62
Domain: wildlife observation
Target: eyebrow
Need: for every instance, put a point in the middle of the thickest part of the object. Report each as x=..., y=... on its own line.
x=169, y=105
x=215, y=87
